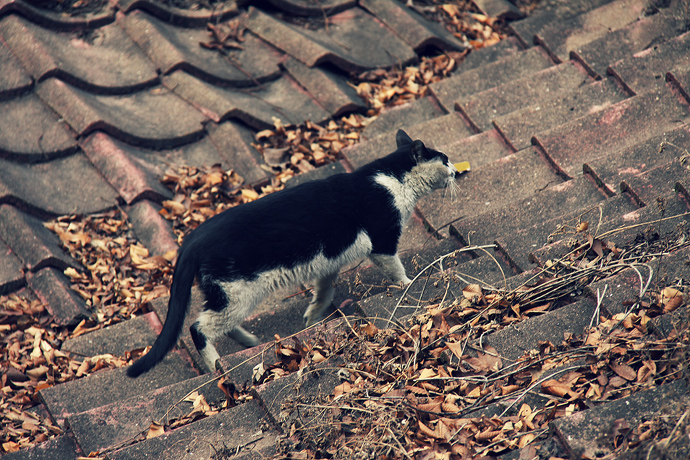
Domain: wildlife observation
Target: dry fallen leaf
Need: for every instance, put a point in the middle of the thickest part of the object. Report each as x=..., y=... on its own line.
x=624, y=371
x=155, y=430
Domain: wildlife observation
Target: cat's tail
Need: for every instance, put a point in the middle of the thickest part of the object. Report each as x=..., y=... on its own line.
x=186, y=270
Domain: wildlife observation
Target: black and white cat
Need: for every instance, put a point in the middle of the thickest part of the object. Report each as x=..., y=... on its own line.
x=307, y=233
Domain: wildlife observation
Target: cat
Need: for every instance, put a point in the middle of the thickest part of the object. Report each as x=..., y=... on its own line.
x=301, y=234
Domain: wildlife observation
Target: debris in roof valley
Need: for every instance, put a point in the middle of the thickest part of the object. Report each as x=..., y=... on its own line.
x=433, y=384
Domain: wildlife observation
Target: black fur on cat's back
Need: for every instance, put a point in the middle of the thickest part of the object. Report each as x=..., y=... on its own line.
x=288, y=227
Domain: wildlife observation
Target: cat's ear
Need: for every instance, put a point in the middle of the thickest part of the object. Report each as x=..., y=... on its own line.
x=402, y=139
x=418, y=151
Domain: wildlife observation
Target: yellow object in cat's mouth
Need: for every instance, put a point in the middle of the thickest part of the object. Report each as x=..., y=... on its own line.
x=462, y=167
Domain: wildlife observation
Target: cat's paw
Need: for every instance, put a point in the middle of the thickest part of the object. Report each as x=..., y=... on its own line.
x=244, y=337
x=310, y=318
x=404, y=282
x=251, y=341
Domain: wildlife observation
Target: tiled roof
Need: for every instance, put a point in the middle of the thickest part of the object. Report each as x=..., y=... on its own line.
x=585, y=105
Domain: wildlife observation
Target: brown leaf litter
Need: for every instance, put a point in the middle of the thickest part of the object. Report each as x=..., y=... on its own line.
x=414, y=390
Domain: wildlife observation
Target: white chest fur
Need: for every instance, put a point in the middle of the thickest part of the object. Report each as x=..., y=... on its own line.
x=402, y=197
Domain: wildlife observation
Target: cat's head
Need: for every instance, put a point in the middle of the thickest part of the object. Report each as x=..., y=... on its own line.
x=429, y=165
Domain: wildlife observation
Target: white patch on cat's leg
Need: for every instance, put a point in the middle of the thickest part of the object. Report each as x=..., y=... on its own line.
x=211, y=357
x=323, y=296
x=392, y=267
x=243, y=336
x=204, y=332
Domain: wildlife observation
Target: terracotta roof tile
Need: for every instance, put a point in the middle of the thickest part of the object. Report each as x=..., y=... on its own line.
x=652, y=184
x=48, y=189
x=646, y=69
x=488, y=54
x=106, y=61
x=282, y=99
x=154, y=232
x=14, y=79
x=556, y=109
x=409, y=114
x=329, y=89
x=11, y=274
x=512, y=342
x=525, y=29
x=502, y=9
x=171, y=370
x=53, y=288
x=233, y=143
x=565, y=36
x=609, y=170
x=59, y=21
x=615, y=127
x=155, y=118
x=36, y=246
x=675, y=267
x=131, y=176
x=135, y=171
x=32, y=132
x=550, y=203
x=480, y=149
x=116, y=339
x=319, y=8
x=489, y=187
x=353, y=26
x=179, y=16
x=316, y=174
x=231, y=428
x=619, y=44
x=641, y=221
x=511, y=67
x=118, y=422
x=481, y=108
x=518, y=246
x=579, y=434
x=437, y=133
x=172, y=48
x=680, y=79
x=417, y=32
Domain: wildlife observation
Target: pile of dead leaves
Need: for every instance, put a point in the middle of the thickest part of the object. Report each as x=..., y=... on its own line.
x=29, y=359
x=290, y=150
x=119, y=275
x=115, y=276
x=430, y=390
x=466, y=23
x=383, y=88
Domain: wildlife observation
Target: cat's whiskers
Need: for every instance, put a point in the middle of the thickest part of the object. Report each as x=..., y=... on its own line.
x=454, y=190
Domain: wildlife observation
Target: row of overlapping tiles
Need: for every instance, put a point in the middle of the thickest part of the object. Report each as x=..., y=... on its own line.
x=93, y=108
x=150, y=84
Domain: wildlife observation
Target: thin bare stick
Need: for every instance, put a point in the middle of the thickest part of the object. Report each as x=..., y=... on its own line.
x=440, y=259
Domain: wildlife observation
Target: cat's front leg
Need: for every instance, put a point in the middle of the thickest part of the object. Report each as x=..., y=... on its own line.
x=323, y=296
x=392, y=267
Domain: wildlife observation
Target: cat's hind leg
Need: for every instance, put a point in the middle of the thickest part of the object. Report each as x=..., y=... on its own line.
x=223, y=313
x=203, y=337
x=391, y=266
x=323, y=296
